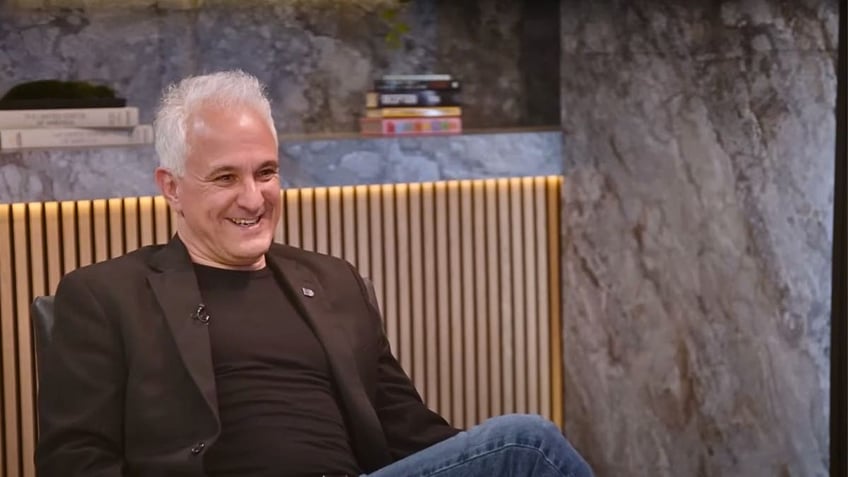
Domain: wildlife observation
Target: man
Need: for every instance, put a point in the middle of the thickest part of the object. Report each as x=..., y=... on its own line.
x=223, y=354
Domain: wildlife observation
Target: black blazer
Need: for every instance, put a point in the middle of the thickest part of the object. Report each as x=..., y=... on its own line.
x=128, y=387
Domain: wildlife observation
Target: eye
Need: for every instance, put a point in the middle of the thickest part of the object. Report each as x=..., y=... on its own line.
x=268, y=173
x=225, y=178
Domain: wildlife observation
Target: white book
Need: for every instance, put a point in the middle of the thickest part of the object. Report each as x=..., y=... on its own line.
x=420, y=77
x=21, y=139
x=69, y=118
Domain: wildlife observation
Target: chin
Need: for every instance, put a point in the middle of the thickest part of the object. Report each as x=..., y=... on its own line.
x=256, y=247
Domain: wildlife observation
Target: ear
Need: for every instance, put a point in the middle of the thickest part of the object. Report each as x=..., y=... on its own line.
x=167, y=182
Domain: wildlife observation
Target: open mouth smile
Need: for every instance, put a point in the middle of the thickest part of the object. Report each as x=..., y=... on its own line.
x=245, y=222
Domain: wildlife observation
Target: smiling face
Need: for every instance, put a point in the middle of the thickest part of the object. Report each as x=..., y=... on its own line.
x=227, y=200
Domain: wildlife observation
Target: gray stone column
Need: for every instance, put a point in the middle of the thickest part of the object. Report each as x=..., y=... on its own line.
x=697, y=234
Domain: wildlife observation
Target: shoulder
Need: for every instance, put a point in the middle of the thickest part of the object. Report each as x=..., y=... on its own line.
x=131, y=267
x=313, y=260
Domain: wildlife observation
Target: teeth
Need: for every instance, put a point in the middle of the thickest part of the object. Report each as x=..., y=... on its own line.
x=244, y=221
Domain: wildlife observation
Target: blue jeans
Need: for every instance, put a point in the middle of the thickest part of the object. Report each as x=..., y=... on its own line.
x=515, y=445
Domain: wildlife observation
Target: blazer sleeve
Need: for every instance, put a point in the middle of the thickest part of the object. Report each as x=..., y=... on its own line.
x=408, y=424
x=81, y=389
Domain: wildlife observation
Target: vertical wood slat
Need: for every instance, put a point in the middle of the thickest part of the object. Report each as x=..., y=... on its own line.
x=428, y=284
x=403, y=266
x=11, y=351
x=375, y=250
x=554, y=192
x=389, y=253
x=321, y=214
x=531, y=319
x=455, y=299
x=146, y=228
x=467, y=316
x=442, y=301
x=53, y=240
x=466, y=273
x=482, y=322
x=7, y=345
x=493, y=262
x=29, y=261
x=505, y=305
x=519, y=324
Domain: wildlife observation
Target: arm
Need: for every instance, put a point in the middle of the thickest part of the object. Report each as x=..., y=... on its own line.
x=408, y=424
x=81, y=389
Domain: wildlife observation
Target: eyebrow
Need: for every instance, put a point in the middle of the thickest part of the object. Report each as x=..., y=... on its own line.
x=230, y=169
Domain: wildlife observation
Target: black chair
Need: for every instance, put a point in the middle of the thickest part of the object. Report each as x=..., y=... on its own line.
x=42, y=325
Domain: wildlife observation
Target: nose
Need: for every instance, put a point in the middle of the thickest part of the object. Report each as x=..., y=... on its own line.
x=250, y=196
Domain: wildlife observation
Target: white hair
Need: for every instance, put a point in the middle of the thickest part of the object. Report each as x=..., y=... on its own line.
x=225, y=88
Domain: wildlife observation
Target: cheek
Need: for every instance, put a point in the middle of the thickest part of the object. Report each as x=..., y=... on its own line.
x=271, y=195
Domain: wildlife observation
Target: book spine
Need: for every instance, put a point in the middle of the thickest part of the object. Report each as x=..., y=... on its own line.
x=69, y=118
x=411, y=126
x=435, y=112
x=388, y=86
x=418, y=77
x=21, y=139
x=425, y=97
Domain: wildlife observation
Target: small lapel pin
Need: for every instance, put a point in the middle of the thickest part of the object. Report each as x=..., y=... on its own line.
x=308, y=292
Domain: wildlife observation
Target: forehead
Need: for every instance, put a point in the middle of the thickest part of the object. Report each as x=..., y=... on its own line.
x=235, y=136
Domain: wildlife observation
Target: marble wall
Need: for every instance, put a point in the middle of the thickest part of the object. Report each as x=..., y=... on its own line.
x=697, y=226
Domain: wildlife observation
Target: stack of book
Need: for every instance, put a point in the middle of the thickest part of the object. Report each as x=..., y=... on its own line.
x=22, y=129
x=413, y=105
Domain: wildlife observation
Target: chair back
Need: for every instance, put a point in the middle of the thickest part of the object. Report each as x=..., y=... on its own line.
x=42, y=325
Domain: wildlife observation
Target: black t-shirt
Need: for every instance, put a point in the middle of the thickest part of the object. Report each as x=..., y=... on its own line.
x=276, y=399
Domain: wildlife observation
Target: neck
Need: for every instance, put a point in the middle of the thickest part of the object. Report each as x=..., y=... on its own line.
x=200, y=257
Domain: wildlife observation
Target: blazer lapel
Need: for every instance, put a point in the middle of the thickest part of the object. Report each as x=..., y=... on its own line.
x=176, y=290
x=311, y=299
